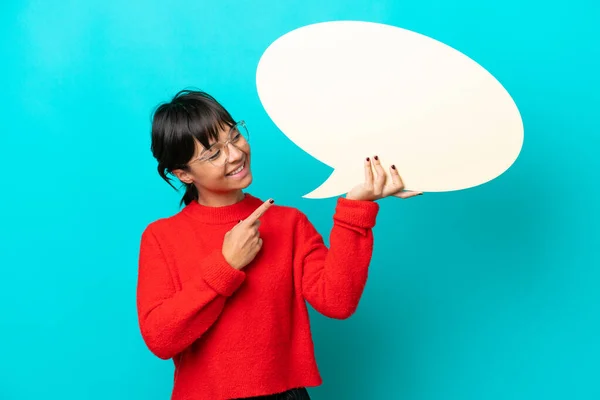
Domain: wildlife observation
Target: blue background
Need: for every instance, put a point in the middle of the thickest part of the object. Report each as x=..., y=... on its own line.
x=488, y=293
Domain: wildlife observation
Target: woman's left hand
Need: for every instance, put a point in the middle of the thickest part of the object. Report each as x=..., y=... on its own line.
x=373, y=188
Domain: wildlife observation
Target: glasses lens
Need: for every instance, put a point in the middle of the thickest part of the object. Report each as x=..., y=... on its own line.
x=219, y=153
x=216, y=154
x=241, y=129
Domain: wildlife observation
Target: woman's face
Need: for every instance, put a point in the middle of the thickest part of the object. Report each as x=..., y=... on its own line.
x=223, y=167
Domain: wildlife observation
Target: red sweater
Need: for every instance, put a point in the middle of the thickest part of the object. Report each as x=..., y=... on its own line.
x=246, y=333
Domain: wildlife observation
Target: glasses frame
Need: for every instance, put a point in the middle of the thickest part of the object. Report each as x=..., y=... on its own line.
x=225, y=144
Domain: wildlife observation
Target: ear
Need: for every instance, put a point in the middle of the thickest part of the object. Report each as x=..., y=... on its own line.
x=183, y=176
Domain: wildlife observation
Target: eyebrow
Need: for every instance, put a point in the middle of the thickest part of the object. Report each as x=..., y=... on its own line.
x=228, y=135
x=204, y=150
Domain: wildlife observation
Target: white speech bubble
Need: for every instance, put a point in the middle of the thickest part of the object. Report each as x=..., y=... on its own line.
x=347, y=90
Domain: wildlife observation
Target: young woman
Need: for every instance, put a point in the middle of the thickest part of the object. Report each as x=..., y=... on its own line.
x=223, y=283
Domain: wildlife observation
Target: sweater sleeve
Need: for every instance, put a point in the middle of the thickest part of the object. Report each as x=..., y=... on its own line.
x=171, y=320
x=333, y=279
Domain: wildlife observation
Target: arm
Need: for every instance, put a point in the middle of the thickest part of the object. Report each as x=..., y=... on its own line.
x=333, y=279
x=172, y=320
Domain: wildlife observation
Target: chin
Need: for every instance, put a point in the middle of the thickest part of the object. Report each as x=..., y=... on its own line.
x=239, y=184
x=247, y=181
x=241, y=179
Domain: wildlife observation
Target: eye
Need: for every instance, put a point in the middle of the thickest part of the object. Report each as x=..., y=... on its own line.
x=235, y=136
x=214, y=154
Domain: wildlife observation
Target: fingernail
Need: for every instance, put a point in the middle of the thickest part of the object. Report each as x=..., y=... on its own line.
x=393, y=167
x=271, y=201
x=368, y=159
x=377, y=158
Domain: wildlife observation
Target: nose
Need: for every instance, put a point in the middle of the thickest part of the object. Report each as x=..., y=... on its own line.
x=233, y=153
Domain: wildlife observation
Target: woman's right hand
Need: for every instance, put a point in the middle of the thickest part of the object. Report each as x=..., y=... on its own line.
x=242, y=243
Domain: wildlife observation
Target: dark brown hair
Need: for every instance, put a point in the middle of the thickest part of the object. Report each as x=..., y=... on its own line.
x=191, y=115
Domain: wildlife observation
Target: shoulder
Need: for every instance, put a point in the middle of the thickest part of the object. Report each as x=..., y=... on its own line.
x=275, y=211
x=285, y=213
x=163, y=225
x=288, y=218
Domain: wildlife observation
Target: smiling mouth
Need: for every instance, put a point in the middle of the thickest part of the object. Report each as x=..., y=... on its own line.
x=237, y=170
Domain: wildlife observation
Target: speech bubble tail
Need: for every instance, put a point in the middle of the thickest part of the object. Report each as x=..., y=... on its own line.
x=338, y=183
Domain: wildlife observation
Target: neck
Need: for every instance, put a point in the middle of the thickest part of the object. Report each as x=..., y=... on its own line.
x=220, y=199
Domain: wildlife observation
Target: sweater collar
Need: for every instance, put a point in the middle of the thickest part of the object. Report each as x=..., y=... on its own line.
x=223, y=214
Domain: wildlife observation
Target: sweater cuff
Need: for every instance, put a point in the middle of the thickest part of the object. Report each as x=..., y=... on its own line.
x=359, y=213
x=221, y=276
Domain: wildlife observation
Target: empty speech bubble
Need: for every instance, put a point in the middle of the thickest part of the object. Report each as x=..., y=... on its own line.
x=346, y=90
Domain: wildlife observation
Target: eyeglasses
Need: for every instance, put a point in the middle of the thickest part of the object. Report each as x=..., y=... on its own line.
x=218, y=153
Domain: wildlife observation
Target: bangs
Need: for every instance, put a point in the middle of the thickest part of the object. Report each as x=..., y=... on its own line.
x=202, y=123
x=191, y=116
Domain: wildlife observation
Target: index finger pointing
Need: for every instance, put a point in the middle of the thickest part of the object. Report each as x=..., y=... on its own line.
x=259, y=211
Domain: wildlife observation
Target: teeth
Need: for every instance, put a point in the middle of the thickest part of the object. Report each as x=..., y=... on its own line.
x=237, y=171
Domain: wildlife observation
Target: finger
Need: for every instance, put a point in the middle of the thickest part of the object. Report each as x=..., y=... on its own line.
x=407, y=194
x=397, y=183
x=259, y=244
x=396, y=178
x=368, y=173
x=259, y=212
x=235, y=226
x=254, y=233
x=380, y=179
